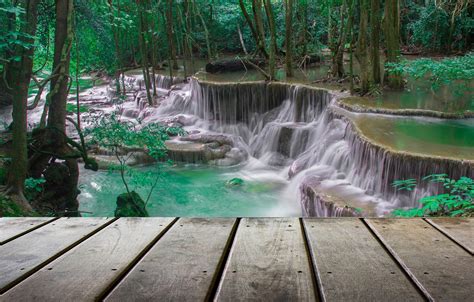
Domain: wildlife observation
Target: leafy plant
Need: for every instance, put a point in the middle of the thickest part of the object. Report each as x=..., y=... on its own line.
x=125, y=139
x=457, y=200
x=458, y=70
x=33, y=187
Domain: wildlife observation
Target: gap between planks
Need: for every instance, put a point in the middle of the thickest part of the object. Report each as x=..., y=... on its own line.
x=134, y=262
x=28, y=230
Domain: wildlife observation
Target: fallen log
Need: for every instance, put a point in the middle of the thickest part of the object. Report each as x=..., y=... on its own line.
x=230, y=65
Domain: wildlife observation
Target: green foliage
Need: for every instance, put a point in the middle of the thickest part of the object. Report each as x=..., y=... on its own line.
x=12, y=38
x=116, y=135
x=8, y=208
x=123, y=138
x=437, y=26
x=34, y=187
x=457, y=200
x=455, y=70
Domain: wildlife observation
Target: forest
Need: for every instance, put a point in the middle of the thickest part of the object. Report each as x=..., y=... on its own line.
x=236, y=108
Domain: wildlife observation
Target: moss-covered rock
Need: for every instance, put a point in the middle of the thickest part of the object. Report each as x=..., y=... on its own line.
x=235, y=182
x=130, y=205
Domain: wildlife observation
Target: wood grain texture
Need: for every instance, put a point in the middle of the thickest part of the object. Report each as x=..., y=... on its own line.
x=20, y=257
x=268, y=262
x=444, y=269
x=181, y=266
x=353, y=266
x=12, y=227
x=459, y=229
x=87, y=270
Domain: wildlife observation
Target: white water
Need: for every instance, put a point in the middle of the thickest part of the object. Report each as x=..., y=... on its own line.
x=288, y=135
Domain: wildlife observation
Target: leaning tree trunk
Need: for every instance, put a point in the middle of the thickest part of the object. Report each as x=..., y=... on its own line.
x=374, y=40
x=362, y=51
x=22, y=71
x=288, y=37
x=392, y=40
x=249, y=20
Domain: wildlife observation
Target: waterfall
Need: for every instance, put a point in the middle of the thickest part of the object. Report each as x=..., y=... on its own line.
x=330, y=167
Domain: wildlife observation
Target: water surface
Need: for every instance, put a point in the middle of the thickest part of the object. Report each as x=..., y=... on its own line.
x=190, y=190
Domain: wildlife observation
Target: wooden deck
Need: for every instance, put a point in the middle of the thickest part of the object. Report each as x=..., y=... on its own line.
x=236, y=259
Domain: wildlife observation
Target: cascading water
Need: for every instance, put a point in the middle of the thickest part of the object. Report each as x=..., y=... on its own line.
x=298, y=136
x=293, y=136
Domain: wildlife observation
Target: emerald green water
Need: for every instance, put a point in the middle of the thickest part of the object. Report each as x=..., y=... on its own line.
x=446, y=138
x=196, y=191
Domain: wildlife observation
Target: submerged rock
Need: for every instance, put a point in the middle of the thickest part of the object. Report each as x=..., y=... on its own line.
x=235, y=182
x=130, y=205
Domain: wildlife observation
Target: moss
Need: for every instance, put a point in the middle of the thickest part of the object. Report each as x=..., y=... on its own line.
x=130, y=205
x=10, y=209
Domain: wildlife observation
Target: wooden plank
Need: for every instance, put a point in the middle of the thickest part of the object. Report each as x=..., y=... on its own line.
x=444, y=269
x=352, y=265
x=269, y=262
x=458, y=229
x=24, y=255
x=181, y=266
x=87, y=270
x=14, y=227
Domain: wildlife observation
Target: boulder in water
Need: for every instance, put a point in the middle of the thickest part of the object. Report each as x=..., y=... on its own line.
x=130, y=205
x=205, y=138
x=235, y=182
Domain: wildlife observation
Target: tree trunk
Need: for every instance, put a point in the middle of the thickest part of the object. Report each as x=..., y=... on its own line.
x=22, y=72
x=362, y=51
x=144, y=51
x=374, y=40
x=257, y=14
x=249, y=21
x=273, y=46
x=118, y=56
x=392, y=40
x=288, y=37
x=60, y=191
x=206, y=33
x=338, y=55
x=170, y=32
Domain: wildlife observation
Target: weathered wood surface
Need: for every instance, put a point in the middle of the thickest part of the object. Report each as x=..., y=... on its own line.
x=228, y=259
x=268, y=260
x=89, y=269
x=22, y=256
x=444, y=269
x=13, y=227
x=460, y=230
x=181, y=266
x=355, y=267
